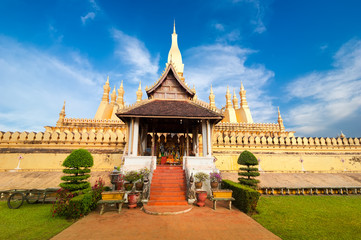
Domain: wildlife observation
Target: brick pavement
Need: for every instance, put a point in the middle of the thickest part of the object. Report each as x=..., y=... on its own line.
x=199, y=223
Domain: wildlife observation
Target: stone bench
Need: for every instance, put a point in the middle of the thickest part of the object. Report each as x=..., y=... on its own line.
x=118, y=204
x=214, y=200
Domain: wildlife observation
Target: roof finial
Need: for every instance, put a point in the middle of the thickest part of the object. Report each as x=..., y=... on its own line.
x=63, y=109
x=235, y=100
x=280, y=120
x=212, y=103
x=242, y=88
x=120, y=99
x=228, y=98
x=107, y=79
x=62, y=115
x=342, y=135
x=174, y=27
x=139, y=92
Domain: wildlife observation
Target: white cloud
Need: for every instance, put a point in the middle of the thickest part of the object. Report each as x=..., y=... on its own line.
x=133, y=53
x=257, y=18
x=34, y=85
x=327, y=98
x=90, y=15
x=94, y=5
x=324, y=47
x=230, y=37
x=54, y=34
x=222, y=65
x=258, y=22
x=219, y=27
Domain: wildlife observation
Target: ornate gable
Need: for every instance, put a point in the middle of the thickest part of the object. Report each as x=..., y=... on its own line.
x=170, y=86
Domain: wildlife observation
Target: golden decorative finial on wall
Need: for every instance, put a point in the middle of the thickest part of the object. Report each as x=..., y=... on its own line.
x=212, y=103
x=228, y=99
x=113, y=96
x=139, y=92
x=280, y=120
x=60, y=121
x=106, y=91
x=235, y=100
x=120, y=99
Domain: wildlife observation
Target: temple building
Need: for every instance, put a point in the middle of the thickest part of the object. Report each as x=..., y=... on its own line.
x=172, y=126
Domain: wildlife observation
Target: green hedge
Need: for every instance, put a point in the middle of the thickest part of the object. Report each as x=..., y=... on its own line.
x=246, y=198
x=80, y=205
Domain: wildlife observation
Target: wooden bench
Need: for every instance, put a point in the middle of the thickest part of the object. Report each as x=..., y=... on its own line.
x=118, y=204
x=214, y=200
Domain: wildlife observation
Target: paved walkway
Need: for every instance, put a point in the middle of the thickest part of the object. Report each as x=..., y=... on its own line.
x=199, y=223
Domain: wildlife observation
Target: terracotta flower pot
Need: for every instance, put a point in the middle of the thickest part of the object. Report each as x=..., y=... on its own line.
x=214, y=184
x=132, y=200
x=198, y=185
x=201, y=198
x=139, y=186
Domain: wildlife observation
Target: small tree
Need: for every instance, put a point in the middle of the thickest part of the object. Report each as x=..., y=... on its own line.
x=77, y=165
x=248, y=173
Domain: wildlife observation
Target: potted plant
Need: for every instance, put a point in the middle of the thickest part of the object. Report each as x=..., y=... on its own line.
x=215, y=179
x=130, y=177
x=201, y=198
x=120, y=183
x=144, y=174
x=132, y=199
x=200, y=177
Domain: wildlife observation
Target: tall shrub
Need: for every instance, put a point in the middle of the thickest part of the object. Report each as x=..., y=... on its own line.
x=77, y=165
x=248, y=173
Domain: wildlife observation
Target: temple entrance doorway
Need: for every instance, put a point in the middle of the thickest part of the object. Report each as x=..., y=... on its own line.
x=170, y=148
x=169, y=140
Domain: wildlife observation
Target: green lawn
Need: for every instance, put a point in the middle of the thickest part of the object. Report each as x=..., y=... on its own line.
x=311, y=217
x=30, y=221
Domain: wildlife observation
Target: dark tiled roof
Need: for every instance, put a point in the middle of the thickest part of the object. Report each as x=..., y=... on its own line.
x=170, y=109
x=169, y=70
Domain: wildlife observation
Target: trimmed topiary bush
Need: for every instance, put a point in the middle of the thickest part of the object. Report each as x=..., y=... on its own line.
x=77, y=204
x=77, y=164
x=248, y=173
x=246, y=198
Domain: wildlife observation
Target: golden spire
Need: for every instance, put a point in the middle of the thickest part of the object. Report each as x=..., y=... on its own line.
x=228, y=99
x=60, y=121
x=113, y=96
x=212, y=103
x=242, y=94
x=174, y=27
x=235, y=100
x=120, y=99
x=106, y=91
x=280, y=120
x=174, y=55
x=139, y=93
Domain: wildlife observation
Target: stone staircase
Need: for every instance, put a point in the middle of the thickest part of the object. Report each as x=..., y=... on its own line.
x=168, y=187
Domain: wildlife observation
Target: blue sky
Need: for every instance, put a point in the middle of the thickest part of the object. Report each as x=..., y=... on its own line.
x=303, y=56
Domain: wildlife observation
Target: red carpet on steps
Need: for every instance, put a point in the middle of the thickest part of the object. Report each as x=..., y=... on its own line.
x=168, y=186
